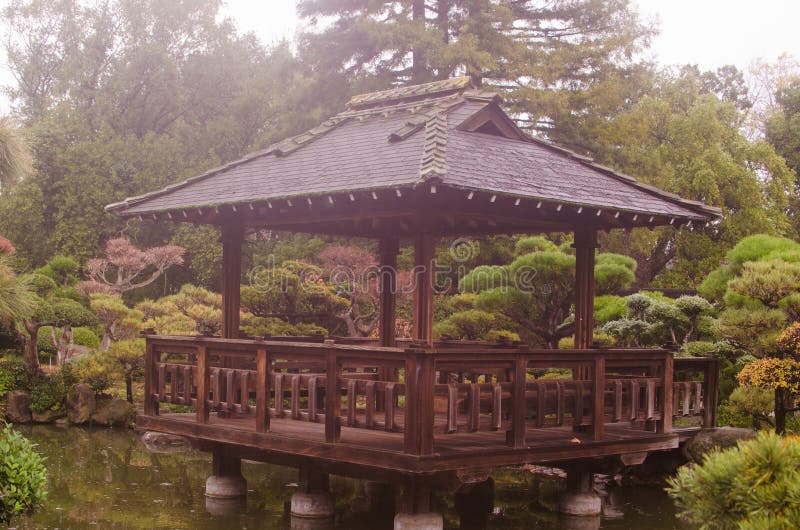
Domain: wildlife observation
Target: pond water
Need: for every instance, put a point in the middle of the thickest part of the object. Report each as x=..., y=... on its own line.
x=105, y=478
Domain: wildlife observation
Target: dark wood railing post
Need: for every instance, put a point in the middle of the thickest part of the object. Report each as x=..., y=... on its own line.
x=518, y=408
x=665, y=426
x=598, y=396
x=150, y=375
x=427, y=379
x=262, y=390
x=202, y=385
x=411, y=409
x=333, y=399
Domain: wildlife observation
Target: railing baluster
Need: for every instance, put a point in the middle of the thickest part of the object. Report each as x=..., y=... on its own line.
x=560, y=404
x=651, y=400
x=244, y=390
x=371, y=404
x=351, y=403
x=162, y=382
x=390, y=404
x=634, y=400
x=279, y=395
x=687, y=399
x=578, y=414
x=312, y=399
x=519, y=408
x=474, y=418
x=230, y=388
x=497, y=405
x=295, y=397
x=217, y=387
x=698, y=397
x=151, y=376
x=541, y=392
x=617, y=401
x=452, y=408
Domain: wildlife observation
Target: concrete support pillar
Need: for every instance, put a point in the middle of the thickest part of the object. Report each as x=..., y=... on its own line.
x=414, y=510
x=580, y=499
x=313, y=500
x=226, y=480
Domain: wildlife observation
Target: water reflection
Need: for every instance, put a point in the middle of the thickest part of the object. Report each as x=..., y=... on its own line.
x=105, y=478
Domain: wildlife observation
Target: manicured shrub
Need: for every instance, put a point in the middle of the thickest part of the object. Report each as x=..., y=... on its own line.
x=23, y=478
x=753, y=486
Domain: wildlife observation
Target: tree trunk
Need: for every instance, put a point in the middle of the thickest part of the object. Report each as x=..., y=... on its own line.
x=129, y=387
x=30, y=351
x=108, y=334
x=418, y=65
x=780, y=410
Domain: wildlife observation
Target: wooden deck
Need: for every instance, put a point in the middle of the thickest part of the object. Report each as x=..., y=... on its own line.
x=410, y=411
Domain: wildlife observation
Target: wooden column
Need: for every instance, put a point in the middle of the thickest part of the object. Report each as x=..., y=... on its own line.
x=387, y=250
x=232, y=236
x=585, y=244
x=424, y=254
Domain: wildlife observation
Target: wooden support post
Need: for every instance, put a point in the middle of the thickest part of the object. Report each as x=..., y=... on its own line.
x=519, y=404
x=387, y=251
x=424, y=272
x=598, y=396
x=262, y=390
x=202, y=385
x=232, y=236
x=711, y=393
x=665, y=425
x=585, y=244
x=333, y=399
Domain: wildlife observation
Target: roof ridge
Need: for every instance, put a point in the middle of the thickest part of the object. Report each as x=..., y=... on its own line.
x=410, y=92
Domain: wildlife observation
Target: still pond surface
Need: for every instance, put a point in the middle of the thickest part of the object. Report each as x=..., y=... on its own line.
x=105, y=478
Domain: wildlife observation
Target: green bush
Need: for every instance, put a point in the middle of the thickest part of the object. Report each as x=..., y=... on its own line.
x=753, y=486
x=13, y=375
x=23, y=478
x=82, y=336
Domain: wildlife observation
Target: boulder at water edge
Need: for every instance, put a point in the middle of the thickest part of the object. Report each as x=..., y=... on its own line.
x=80, y=404
x=49, y=416
x=116, y=412
x=18, y=406
x=710, y=439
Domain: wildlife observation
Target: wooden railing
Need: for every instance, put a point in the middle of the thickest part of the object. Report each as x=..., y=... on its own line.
x=429, y=393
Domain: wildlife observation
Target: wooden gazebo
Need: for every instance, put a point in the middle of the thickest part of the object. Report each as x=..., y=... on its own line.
x=416, y=163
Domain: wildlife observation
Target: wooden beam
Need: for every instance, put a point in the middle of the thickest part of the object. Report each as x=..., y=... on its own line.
x=232, y=236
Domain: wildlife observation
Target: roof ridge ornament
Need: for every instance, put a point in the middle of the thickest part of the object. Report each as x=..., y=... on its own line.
x=434, y=161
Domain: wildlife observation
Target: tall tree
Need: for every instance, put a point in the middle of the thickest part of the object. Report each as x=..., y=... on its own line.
x=686, y=140
x=539, y=52
x=123, y=97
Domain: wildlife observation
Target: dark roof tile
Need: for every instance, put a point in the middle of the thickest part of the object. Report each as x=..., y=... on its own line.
x=377, y=143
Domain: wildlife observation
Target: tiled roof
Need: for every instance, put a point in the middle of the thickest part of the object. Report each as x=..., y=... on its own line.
x=404, y=136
